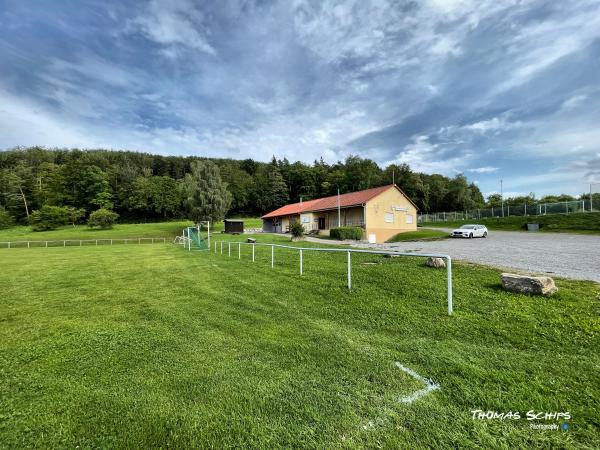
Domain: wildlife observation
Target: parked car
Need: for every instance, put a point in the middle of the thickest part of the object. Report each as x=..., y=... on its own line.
x=470, y=231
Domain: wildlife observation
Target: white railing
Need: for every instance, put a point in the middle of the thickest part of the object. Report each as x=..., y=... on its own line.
x=537, y=209
x=79, y=242
x=219, y=247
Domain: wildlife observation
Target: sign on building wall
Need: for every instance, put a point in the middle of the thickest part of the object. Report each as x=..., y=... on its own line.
x=399, y=208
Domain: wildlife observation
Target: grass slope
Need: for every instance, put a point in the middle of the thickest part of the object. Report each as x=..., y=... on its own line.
x=127, y=230
x=587, y=223
x=419, y=235
x=153, y=346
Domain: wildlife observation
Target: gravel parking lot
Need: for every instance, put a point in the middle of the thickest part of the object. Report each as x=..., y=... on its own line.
x=567, y=255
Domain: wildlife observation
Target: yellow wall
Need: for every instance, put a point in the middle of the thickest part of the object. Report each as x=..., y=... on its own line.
x=382, y=205
x=306, y=219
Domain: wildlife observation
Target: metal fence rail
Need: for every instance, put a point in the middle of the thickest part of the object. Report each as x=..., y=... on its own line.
x=537, y=209
x=80, y=242
x=222, y=247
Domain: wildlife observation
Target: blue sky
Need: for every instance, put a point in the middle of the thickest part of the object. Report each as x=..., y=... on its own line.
x=494, y=89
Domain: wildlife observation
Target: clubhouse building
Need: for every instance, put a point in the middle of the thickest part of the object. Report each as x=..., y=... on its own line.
x=381, y=212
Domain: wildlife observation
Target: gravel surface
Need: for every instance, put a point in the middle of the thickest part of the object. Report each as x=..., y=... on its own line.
x=566, y=255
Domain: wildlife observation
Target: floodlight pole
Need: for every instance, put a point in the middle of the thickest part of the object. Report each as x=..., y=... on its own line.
x=502, y=197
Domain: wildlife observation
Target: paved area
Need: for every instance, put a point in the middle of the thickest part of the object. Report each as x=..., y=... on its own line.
x=566, y=255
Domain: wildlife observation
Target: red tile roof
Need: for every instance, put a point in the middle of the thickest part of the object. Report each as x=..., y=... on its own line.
x=319, y=204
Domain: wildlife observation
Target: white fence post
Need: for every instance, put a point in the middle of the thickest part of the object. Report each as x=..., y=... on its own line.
x=221, y=247
x=272, y=256
x=449, y=266
x=253, y=246
x=229, y=249
x=239, y=250
x=349, y=273
x=300, y=261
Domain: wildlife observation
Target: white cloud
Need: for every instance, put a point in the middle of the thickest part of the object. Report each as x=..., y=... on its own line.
x=172, y=24
x=486, y=169
x=494, y=124
x=423, y=156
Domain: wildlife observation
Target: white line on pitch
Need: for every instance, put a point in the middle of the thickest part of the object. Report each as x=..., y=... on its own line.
x=429, y=385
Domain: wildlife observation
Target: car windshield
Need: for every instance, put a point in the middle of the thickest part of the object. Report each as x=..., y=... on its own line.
x=467, y=227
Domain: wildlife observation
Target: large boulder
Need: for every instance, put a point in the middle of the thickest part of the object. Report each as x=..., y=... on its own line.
x=437, y=263
x=524, y=284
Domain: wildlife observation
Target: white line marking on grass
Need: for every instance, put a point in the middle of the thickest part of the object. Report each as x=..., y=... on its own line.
x=429, y=385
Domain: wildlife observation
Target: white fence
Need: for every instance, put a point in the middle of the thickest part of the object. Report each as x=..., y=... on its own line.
x=220, y=247
x=80, y=242
x=538, y=209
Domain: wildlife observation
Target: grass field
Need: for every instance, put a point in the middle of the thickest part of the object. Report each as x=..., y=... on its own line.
x=419, y=235
x=153, y=346
x=119, y=231
x=585, y=223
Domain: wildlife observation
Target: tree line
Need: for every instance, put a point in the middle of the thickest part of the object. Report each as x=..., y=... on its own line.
x=145, y=187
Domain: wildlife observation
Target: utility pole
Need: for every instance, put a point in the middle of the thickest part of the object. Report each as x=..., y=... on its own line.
x=502, y=197
x=339, y=210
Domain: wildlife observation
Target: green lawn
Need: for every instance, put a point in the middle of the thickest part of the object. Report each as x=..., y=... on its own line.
x=156, y=347
x=157, y=229
x=419, y=235
x=585, y=223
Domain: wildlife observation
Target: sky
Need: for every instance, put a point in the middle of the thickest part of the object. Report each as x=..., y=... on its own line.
x=493, y=89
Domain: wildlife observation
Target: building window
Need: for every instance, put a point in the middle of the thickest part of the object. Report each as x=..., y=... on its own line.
x=409, y=218
x=389, y=217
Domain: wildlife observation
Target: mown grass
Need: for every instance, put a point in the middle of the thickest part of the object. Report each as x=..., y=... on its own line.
x=419, y=235
x=584, y=223
x=153, y=346
x=119, y=231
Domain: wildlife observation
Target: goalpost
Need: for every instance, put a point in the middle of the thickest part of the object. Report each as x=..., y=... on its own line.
x=191, y=237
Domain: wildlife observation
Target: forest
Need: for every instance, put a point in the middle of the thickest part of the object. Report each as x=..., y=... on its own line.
x=144, y=187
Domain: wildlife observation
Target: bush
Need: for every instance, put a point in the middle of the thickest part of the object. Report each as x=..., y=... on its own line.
x=6, y=220
x=49, y=218
x=354, y=233
x=296, y=229
x=103, y=218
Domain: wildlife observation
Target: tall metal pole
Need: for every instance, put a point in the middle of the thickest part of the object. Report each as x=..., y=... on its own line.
x=502, y=197
x=339, y=210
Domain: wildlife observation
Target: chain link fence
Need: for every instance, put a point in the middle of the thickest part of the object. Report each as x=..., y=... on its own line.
x=536, y=209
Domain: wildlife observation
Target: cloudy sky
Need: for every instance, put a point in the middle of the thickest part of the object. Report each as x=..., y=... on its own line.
x=494, y=89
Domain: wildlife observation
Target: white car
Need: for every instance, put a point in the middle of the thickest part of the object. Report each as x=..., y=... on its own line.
x=470, y=231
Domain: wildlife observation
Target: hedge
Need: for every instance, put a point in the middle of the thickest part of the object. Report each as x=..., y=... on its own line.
x=354, y=233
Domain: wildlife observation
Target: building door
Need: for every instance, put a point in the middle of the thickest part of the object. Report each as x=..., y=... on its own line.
x=321, y=223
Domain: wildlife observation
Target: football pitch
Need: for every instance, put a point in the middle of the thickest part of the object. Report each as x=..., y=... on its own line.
x=145, y=346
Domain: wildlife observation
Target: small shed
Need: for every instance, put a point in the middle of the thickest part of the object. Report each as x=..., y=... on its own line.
x=234, y=226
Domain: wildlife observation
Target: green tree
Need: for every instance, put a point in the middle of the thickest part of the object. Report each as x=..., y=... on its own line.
x=271, y=190
x=49, y=217
x=6, y=220
x=102, y=218
x=205, y=195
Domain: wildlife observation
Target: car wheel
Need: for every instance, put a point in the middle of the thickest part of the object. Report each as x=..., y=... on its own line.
x=471, y=236
x=485, y=234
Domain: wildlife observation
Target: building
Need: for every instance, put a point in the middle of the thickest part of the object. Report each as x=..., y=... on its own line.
x=382, y=212
x=234, y=226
